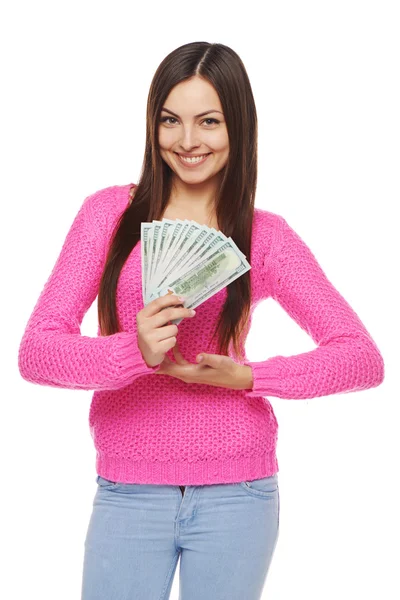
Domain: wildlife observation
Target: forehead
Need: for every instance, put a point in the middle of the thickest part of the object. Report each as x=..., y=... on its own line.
x=193, y=96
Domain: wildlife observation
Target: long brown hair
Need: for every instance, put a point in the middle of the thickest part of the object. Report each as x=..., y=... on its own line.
x=234, y=207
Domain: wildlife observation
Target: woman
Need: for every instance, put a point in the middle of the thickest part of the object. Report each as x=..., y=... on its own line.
x=186, y=450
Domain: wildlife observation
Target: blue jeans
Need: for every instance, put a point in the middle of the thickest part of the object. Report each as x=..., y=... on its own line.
x=224, y=534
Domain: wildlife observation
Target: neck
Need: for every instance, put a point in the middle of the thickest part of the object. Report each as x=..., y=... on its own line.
x=198, y=198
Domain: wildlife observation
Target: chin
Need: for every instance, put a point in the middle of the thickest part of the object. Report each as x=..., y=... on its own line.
x=194, y=179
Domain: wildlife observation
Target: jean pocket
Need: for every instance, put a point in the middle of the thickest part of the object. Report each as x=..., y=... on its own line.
x=265, y=487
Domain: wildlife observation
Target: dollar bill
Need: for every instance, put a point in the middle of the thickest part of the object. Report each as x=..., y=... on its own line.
x=187, y=259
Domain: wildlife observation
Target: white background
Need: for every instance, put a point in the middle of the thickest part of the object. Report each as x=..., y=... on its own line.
x=325, y=76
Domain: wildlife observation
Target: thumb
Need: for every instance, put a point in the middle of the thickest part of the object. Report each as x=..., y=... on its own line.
x=212, y=360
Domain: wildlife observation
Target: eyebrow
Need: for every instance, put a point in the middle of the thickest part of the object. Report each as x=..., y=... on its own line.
x=195, y=116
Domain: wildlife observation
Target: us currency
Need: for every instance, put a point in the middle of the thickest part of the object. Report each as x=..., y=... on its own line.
x=176, y=231
x=189, y=259
x=174, y=246
x=189, y=249
x=220, y=264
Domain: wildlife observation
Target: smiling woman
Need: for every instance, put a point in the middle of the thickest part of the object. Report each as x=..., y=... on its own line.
x=160, y=424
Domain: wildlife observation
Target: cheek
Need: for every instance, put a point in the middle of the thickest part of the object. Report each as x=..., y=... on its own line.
x=166, y=138
x=220, y=142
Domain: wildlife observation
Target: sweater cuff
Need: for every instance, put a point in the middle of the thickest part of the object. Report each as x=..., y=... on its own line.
x=130, y=361
x=267, y=379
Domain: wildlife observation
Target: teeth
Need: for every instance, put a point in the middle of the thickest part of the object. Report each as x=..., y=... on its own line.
x=192, y=159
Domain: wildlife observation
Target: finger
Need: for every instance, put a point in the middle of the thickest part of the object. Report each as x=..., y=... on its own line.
x=167, y=360
x=165, y=365
x=216, y=361
x=180, y=359
x=158, y=304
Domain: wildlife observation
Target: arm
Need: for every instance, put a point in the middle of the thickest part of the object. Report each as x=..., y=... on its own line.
x=346, y=359
x=52, y=350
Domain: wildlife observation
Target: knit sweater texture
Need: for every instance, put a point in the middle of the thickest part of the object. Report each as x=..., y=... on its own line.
x=157, y=429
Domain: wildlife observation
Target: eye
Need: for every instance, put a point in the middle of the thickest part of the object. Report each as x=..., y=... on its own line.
x=210, y=119
x=164, y=119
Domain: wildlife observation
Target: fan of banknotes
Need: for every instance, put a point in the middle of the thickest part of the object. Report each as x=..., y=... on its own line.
x=187, y=259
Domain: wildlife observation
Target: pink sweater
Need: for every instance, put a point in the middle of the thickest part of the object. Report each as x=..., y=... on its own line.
x=150, y=428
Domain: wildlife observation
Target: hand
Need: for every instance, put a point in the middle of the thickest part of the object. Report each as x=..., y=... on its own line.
x=155, y=334
x=214, y=369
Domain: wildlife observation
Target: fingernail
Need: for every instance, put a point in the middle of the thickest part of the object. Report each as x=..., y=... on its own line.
x=199, y=358
x=181, y=299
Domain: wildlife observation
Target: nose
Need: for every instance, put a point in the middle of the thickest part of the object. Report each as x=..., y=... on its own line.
x=189, y=139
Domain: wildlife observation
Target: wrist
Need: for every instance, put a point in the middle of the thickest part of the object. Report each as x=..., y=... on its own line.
x=246, y=377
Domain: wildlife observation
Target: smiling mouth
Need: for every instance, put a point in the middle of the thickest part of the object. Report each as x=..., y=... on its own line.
x=192, y=160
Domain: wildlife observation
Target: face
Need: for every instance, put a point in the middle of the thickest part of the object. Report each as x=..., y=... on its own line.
x=185, y=132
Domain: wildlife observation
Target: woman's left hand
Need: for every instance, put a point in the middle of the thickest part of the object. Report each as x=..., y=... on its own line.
x=214, y=369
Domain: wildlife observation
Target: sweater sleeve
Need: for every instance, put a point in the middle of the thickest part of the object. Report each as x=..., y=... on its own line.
x=346, y=359
x=53, y=351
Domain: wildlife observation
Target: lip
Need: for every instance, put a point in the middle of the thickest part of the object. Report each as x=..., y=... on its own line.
x=192, y=165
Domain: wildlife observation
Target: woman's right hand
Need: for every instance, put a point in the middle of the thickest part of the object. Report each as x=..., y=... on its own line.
x=155, y=336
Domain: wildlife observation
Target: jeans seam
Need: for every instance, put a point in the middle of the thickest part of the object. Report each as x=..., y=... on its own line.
x=168, y=578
